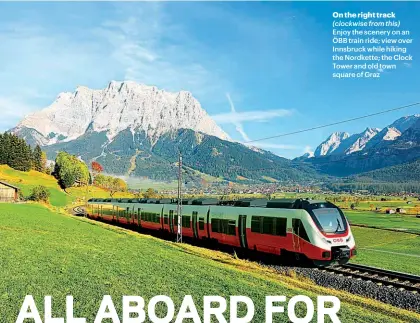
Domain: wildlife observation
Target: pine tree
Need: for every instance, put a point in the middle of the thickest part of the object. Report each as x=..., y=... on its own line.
x=15, y=152
x=39, y=160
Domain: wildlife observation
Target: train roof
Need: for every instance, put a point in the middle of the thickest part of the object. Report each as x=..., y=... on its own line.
x=248, y=202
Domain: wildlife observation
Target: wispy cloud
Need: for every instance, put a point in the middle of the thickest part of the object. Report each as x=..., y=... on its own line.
x=256, y=115
x=12, y=109
x=151, y=48
x=137, y=42
x=266, y=145
x=236, y=118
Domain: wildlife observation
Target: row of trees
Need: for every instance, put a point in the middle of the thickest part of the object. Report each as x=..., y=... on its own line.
x=376, y=188
x=15, y=153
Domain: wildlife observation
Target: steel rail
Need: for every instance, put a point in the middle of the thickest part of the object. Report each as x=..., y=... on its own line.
x=380, y=276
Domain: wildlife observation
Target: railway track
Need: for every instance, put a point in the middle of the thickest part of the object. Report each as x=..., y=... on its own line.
x=383, y=277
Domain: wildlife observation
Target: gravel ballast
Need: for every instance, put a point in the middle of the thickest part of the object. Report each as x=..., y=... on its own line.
x=390, y=295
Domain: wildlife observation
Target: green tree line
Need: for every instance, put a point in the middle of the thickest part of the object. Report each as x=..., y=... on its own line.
x=17, y=154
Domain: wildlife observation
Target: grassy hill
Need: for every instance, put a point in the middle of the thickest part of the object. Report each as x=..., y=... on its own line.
x=46, y=253
x=28, y=180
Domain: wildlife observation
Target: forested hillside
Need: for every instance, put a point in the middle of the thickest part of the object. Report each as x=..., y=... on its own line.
x=135, y=155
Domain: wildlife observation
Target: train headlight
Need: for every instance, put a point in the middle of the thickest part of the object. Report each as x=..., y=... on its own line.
x=326, y=241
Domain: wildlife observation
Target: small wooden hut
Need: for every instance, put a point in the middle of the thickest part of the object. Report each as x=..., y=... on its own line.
x=8, y=192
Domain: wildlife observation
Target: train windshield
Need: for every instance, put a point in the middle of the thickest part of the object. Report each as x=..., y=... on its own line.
x=329, y=218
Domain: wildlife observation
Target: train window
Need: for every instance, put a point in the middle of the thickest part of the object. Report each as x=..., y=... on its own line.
x=281, y=226
x=165, y=219
x=186, y=221
x=215, y=225
x=201, y=223
x=231, y=227
x=256, y=224
x=299, y=229
x=268, y=225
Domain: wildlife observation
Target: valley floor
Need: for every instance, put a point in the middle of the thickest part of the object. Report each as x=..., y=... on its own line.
x=390, y=250
x=46, y=253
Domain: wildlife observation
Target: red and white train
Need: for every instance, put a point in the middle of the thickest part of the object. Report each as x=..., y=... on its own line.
x=316, y=229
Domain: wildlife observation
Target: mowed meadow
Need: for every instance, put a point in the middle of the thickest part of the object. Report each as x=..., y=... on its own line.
x=48, y=253
x=390, y=250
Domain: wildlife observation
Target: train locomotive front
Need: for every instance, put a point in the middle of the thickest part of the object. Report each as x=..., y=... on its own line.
x=331, y=233
x=316, y=230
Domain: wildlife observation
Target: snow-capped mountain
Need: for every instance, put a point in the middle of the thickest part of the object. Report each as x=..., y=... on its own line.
x=341, y=143
x=120, y=106
x=356, y=142
x=331, y=144
x=387, y=134
x=402, y=124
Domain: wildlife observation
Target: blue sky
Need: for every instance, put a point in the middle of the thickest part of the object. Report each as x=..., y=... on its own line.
x=270, y=61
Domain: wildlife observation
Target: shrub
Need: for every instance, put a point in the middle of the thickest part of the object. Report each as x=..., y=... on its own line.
x=21, y=197
x=40, y=194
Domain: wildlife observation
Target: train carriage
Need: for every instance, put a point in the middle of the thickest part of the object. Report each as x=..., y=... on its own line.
x=316, y=229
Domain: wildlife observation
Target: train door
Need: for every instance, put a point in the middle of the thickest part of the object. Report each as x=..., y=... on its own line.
x=139, y=217
x=194, y=222
x=133, y=215
x=171, y=221
x=242, y=231
x=208, y=224
x=296, y=224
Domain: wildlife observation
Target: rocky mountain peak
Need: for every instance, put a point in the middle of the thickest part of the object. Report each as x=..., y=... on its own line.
x=331, y=144
x=120, y=106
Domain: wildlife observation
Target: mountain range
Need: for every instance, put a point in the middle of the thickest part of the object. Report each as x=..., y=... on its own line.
x=138, y=130
x=339, y=143
x=370, y=150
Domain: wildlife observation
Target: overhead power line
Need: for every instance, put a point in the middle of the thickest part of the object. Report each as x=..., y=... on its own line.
x=333, y=124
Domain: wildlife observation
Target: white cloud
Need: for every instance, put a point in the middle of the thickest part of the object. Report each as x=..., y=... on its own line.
x=152, y=49
x=266, y=145
x=236, y=118
x=238, y=126
x=14, y=107
x=12, y=110
x=255, y=115
x=138, y=43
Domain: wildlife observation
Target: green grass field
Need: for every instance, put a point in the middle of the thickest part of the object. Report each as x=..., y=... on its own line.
x=45, y=253
x=406, y=223
x=388, y=250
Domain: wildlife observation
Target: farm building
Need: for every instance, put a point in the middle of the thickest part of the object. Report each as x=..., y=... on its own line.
x=8, y=193
x=390, y=211
x=401, y=210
